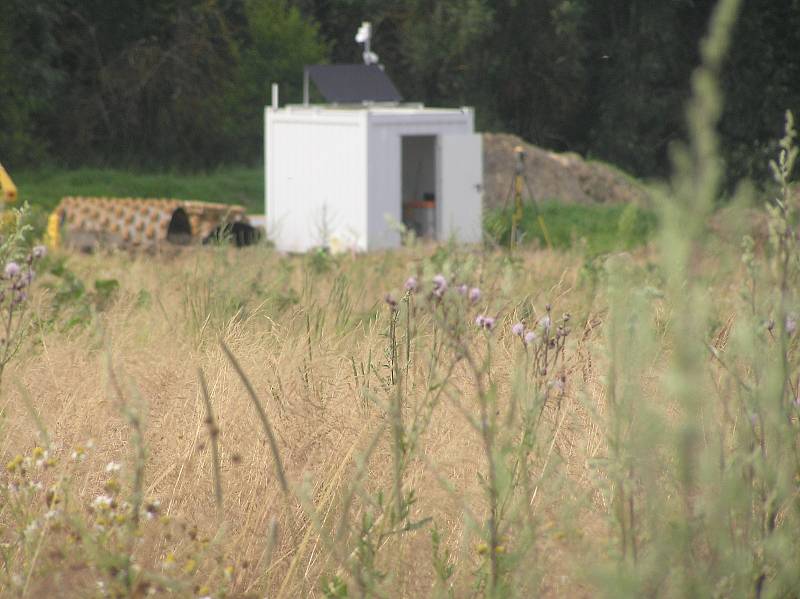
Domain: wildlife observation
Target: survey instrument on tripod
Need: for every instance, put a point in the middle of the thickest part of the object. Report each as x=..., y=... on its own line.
x=521, y=180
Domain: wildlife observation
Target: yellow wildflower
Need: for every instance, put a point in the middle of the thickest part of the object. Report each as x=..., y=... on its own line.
x=14, y=464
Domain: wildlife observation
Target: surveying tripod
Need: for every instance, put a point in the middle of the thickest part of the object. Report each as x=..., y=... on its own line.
x=516, y=217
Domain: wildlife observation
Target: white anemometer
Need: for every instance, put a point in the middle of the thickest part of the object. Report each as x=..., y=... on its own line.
x=364, y=36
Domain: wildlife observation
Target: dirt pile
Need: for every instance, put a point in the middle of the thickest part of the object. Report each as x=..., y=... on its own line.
x=551, y=176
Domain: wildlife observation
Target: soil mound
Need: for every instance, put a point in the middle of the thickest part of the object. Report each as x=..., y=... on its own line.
x=551, y=176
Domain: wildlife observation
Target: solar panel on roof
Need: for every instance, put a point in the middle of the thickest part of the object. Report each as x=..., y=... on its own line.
x=353, y=83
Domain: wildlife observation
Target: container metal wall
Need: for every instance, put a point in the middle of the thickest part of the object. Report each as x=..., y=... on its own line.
x=384, y=188
x=334, y=176
x=316, y=179
x=459, y=206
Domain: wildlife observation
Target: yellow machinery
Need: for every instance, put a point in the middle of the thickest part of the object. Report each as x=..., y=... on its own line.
x=8, y=195
x=7, y=187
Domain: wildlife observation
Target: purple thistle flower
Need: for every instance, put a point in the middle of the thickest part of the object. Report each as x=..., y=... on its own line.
x=518, y=329
x=474, y=295
x=462, y=289
x=39, y=252
x=12, y=270
x=791, y=325
x=545, y=322
x=411, y=284
x=391, y=301
x=485, y=322
x=530, y=338
x=439, y=282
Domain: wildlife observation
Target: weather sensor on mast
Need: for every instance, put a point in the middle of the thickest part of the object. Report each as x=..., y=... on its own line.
x=364, y=36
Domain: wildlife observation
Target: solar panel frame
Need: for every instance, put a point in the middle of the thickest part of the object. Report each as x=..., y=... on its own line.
x=353, y=83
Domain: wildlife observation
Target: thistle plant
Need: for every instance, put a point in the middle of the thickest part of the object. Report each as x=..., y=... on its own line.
x=508, y=424
x=15, y=284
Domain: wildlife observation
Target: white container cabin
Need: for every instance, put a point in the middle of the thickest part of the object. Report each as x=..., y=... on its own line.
x=345, y=176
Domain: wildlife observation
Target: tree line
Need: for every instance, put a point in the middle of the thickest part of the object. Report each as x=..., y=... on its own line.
x=182, y=83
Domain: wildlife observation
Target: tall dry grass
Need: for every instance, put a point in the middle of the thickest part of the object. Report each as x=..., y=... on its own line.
x=320, y=383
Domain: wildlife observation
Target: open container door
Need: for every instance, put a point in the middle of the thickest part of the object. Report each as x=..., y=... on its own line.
x=460, y=187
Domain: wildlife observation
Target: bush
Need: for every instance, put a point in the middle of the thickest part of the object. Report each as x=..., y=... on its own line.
x=600, y=228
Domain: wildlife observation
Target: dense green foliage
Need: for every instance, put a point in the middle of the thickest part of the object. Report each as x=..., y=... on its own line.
x=600, y=228
x=158, y=83
x=229, y=184
x=168, y=83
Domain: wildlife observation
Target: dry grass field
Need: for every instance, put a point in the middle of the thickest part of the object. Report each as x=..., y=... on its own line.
x=419, y=453
x=312, y=338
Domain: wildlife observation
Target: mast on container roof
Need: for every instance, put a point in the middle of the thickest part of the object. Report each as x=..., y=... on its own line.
x=364, y=36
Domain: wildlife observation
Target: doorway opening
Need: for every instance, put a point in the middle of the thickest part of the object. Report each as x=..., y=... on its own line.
x=418, y=191
x=179, y=230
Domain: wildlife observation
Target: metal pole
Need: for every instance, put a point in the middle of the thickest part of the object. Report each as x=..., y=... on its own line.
x=274, y=96
x=516, y=217
x=305, y=86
